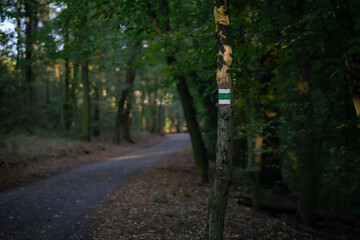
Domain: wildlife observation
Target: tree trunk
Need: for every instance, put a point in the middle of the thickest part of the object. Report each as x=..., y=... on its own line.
x=47, y=91
x=160, y=115
x=127, y=122
x=30, y=15
x=161, y=118
x=18, y=31
x=117, y=127
x=352, y=58
x=305, y=140
x=211, y=120
x=267, y=113
x=179, y=122
x=153, y=106
x=67, y=111
x=193, y=128
x=74, y=86
x=220, y=189
x=129, y=83
x=142, y=114
x=96, y=131
x=86, y=135
x=186, y=102
x=86, y=113
x=253, y=166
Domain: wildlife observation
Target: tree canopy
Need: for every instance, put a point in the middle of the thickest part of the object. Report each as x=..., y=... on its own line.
x=85, y=68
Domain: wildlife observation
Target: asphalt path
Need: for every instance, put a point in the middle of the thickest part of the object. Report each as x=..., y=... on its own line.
x=53, y=208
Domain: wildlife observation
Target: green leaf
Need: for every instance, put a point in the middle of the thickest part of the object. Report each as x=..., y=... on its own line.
x=353, y=49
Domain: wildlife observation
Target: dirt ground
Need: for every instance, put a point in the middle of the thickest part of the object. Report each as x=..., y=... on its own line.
x=165, y=202
x=26, y=169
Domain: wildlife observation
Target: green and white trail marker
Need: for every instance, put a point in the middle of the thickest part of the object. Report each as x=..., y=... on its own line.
x=224, y=96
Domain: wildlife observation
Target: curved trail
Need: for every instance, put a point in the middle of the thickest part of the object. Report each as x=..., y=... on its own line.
x=53, y=208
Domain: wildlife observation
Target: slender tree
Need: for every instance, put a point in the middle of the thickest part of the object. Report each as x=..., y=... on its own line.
x=96, y=130
x=86, y=135
x=86, y=113
x=304, y=126
x=220, y=188
x=67, y=111
x=199, y=150
x=19, y=16
x=31, y=25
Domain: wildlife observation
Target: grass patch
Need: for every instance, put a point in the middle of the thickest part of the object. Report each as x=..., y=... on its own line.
x=183, y=223
x=173, y=191
x=187, y=194
x=39, y=146
x=170, y=214
x=162, y=229
x=161, y=199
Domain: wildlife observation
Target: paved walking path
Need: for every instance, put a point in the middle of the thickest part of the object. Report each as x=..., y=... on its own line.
x=53, y=208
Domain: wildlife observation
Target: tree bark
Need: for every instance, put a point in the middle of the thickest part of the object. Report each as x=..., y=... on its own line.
x=129, y=82
x=199, y=150
x=211, y=120
x=67, y=111
x=305, y=139
x=220, y=189
x=352, y=59
x=252, y=165
x=117, y=127
x=86, y=135
x=127, y=122
x=30, y=15
x=267, y=113
x=96, y=130
x=87, y=103
x=18, y=31
x=75, y=85
x=142, y=113
x=47, y=91
x=186, y=101
x=161, y=117
x=154, y=110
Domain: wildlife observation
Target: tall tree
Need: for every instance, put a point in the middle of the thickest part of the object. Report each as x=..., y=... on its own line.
x=305, y=139
x=19, y=16
x=199, y=150
x=31, y=7
x=96, y=130
x=85, y=76
x=197, y=142
x=220, y=188
x=122, y=111
x=86, y=97
x=304, y=124
x=67, y=111
x=350, y=48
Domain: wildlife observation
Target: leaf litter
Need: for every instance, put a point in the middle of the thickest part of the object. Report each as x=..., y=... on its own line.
x=166, y=202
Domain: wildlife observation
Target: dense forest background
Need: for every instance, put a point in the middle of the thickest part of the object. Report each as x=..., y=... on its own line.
x=82, y=69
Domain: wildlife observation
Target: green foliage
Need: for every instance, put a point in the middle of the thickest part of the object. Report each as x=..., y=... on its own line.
x=161, y=199
x=187, y=194
x=267, y=38
x=173, y=191
x=42, y=145
x=184, y=223
x=170, y=214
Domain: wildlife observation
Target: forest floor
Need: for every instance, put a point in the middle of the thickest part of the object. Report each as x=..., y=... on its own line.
x=41, y=159
x=166, y=202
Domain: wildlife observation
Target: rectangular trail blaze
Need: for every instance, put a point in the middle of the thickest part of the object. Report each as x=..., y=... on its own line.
x=224, y=96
